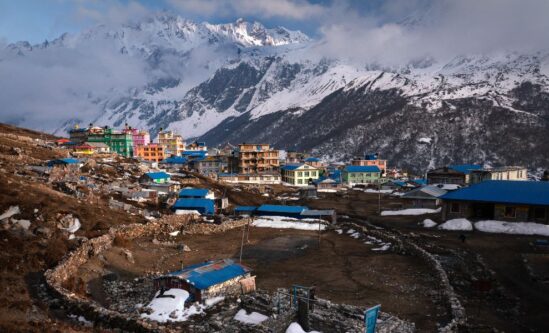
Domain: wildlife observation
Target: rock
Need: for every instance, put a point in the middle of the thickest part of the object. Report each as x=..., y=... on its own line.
x=43, y=231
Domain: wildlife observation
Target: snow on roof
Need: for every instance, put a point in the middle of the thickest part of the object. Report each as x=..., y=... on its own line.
x=504, y=191
x=360, y=168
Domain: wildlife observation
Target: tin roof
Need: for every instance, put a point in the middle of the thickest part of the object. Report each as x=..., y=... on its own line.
x=465, y=168
x=281, y=209
x=193, y=192
x=504, y=191
x=360, y=168
x=291, y=166
x=207, y=205
x=210, y=273
x=157, y=175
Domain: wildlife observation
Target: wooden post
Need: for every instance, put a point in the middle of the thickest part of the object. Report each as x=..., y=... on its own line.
x=242, y=243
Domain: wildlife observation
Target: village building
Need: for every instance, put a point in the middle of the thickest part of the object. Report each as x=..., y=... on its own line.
x=197, y=146
x=120, y=142
x=210, y=165
x=295, y=157
x=99, y=147
x=299, y=174
x=254, y=179
x=371, y=160
x=314, y=162
x=151, y=152
x=78, y=135
x=173, y=143
x=209, y=279
x=423, y=197
x=200, y=205
x=361, y=175
x=257, y=158
x=452, y=174
x=502, y=173
x=139, y=138
x=281, y=210
x=196, y=193
x=82, y=150
x=504, y=200
x=398, y=185
x=155, y=178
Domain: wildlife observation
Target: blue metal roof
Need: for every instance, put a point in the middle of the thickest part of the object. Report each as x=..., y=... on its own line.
x=157, y=175
x=465, y=168
x=312, y=159
x=207, y=274
x=175, y=160
x=204, y=206
x=291, y=166
x=419, y=181
x=359, y=168
x=245, y=208
x=282, y=209
x=63, y=161
x=193, y=192
x=225, y=174
x=399, y=182
x=503, y=191
x=194, y=153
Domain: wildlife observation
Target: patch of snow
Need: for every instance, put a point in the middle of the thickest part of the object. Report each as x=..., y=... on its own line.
x=355, y=235
x=254, y=318
x=281, y=222
x=186, y=212
x=457, y=224
x=339, y=231
x=517, y=228
x=410, y=211
x=214, y=300
x=384, y=247
x=428, y=223
x=174, y=234
x=74, y=226
x=351, y=231
x=424, y=140
x=171, y=308
x=13, y=210
x=296, y=328
x=25, y=224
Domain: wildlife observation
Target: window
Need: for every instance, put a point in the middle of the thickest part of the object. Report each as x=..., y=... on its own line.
x=306, y=173
x=300, y=174
x=454, y=207
x=300, y=181
x=510, y=211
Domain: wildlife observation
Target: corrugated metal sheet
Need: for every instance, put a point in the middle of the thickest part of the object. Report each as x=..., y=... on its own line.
x=157, y=175
x=504, y=191
x=193, y=192
x=359, y=168
x=203, y=206
x=281, y=209
x=205, y=275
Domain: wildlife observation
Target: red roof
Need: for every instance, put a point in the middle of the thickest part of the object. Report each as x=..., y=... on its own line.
x=63, y=140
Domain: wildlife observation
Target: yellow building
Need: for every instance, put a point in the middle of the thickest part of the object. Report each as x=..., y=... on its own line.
x=83, y=150
x=299, y=174
x=172, y=143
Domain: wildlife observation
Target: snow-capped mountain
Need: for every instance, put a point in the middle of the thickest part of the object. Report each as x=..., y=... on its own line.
x=243, y=82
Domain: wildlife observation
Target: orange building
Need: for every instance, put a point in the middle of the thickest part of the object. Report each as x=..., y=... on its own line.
x=257, y=158
x=152, y=152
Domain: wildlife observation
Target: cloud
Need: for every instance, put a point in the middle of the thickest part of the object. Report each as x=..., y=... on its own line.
x=395, y=34
x=287, y=9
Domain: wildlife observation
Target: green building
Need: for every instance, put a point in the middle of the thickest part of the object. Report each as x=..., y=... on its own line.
x=120, y=142
x=354, y=174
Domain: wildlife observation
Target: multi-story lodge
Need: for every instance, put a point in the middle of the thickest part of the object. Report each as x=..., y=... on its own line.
x=257, y=158
x=502, y=173
x=173, y=143
x=371, y=160
x=151, y=152
x=299, y=174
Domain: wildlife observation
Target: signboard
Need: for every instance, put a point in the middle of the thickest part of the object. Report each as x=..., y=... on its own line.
x=370, y=319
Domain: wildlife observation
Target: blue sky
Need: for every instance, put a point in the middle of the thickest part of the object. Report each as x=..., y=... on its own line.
x=38, y=20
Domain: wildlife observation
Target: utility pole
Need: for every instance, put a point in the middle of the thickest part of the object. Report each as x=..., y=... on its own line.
x=242, y=243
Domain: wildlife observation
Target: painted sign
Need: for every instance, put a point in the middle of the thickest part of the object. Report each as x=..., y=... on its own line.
x=370, y=319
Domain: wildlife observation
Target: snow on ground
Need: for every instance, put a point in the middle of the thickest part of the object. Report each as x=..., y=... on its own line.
x=384, y=247
x=174, y=234
x=424, y=140
x=186, y=212
x=296, y=328
x=282, y=222
x=351, y=231
x=410, y=211
x=168, y=308
x=457, y=224
x=214, y=300
x=13, y=210
x=518, y=228
x=254, y=318
x=74, y=226
x=355, y=235
x=428, y=223
x=369, y=190
x=25, y=224
x=339, y=231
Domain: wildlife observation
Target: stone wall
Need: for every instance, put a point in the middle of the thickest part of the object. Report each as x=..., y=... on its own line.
x=405, y=246
x=57, y=277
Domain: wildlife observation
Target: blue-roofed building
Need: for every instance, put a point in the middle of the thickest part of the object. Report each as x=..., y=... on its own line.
x=452, y=174
x=209, y=279
x=202, y=206
x=159, y=177
x=299, y=174
x=281, y=210
x=500, y=200
x=314, y=162
x=64, y=162
x=175, y=160
x=245, y=210
x=361, y=174
x=196, y=193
